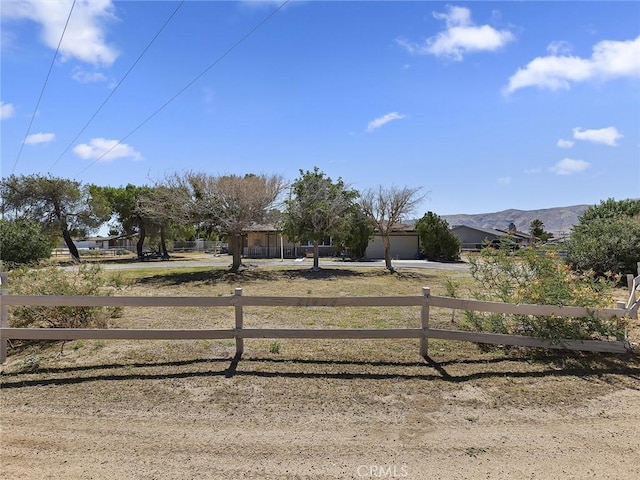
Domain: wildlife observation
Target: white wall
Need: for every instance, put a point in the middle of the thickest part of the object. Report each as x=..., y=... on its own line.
x=404, y=247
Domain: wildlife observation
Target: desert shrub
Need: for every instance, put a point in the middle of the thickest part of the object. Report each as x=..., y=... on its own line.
x=84, y=280
x=545, y=279
x=22, y=241
x=606, y=244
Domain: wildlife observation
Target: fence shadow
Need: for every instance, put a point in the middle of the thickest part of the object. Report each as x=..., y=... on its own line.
x=229, y=367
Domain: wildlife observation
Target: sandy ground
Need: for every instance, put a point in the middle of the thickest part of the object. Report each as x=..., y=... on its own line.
x=279, y=419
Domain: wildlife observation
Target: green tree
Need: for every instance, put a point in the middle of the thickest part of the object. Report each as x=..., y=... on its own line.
x=125, y=205
x=23, y=241
x=537, y=231
x=436, y=239
x=318, y=208
x=605, y=245
x=386, y=207
x=607, y=238
x=356, y=234
x=59, y=205
x=611, y=208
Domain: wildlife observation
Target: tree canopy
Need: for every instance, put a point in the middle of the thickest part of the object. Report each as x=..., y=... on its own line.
x=436, y=239
x=537, y=231
x=229, y=204
x=318, y=208
x=607, y=239
x=126, y=206
x=59, y=205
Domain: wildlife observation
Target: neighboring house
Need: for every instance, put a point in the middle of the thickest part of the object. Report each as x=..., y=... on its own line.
x=405, y=243
x=104, y=243
x=521, y=238
x=472, y=238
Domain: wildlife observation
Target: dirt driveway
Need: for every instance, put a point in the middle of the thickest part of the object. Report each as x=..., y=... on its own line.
x=281, y=418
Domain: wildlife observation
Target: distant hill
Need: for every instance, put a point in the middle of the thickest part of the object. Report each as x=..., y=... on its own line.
x=556, y=220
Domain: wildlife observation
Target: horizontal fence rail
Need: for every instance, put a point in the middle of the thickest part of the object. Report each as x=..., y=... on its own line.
x=239, y=333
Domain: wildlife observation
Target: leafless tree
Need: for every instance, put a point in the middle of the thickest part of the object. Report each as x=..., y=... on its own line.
x=386, y=208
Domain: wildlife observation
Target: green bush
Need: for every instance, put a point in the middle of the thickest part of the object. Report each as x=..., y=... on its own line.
x=606, y=244
x=543, y=279
x=436, y=239
x=607, y=238
x=84, y=280
x=22, y=241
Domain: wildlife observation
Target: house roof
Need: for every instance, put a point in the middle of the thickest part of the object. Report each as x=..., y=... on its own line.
x=489, y=231
x=403, y=227
x=518, y=234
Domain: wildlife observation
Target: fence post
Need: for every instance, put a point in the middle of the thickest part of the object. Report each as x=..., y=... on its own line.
x=238, y=305
x=424, y=343
x=621, y=337
x=4, y=316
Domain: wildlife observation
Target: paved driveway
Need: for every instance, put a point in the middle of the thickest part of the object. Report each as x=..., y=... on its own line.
x=225, y=261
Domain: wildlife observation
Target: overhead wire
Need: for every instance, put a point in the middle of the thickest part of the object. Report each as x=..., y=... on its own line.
x=44, y=85
x=113, y=91
x=188, y=85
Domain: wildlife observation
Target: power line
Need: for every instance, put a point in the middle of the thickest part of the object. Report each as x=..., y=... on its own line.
x=183, y=89
x=46, y=80
x=118, y=85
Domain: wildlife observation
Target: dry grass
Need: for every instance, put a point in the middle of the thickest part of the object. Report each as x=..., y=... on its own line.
x=451, y=360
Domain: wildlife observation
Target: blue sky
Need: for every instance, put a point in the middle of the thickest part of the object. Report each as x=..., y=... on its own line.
x=484, y=105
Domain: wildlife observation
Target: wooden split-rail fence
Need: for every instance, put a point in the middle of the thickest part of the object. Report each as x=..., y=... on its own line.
x=238, y=301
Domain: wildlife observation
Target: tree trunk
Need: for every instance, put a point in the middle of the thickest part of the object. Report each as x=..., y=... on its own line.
x=316, y=257
x=387, y=252
x=163, y=245
x=236, y=250
x=142, y=234
x=73, y=250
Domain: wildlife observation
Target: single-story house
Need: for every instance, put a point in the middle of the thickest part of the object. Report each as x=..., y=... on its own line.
x=521, y=238
x=266, y=241
x=104, y=243
x=472, y=238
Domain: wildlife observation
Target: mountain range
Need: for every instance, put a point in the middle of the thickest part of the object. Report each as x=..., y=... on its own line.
x=557, y=220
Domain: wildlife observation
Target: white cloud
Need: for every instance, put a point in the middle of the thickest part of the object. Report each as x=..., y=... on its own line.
x=84, y=76
x=105, y=150
x=532, y=171
x=559, y=47
x=39, y=138
x=84, y=36
x=609, y=60
x=461, y=37
x=568, y=166
x=561, y=143
x=504, y=180
x=380, y=121
x=608, y=136
x=6, y=110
